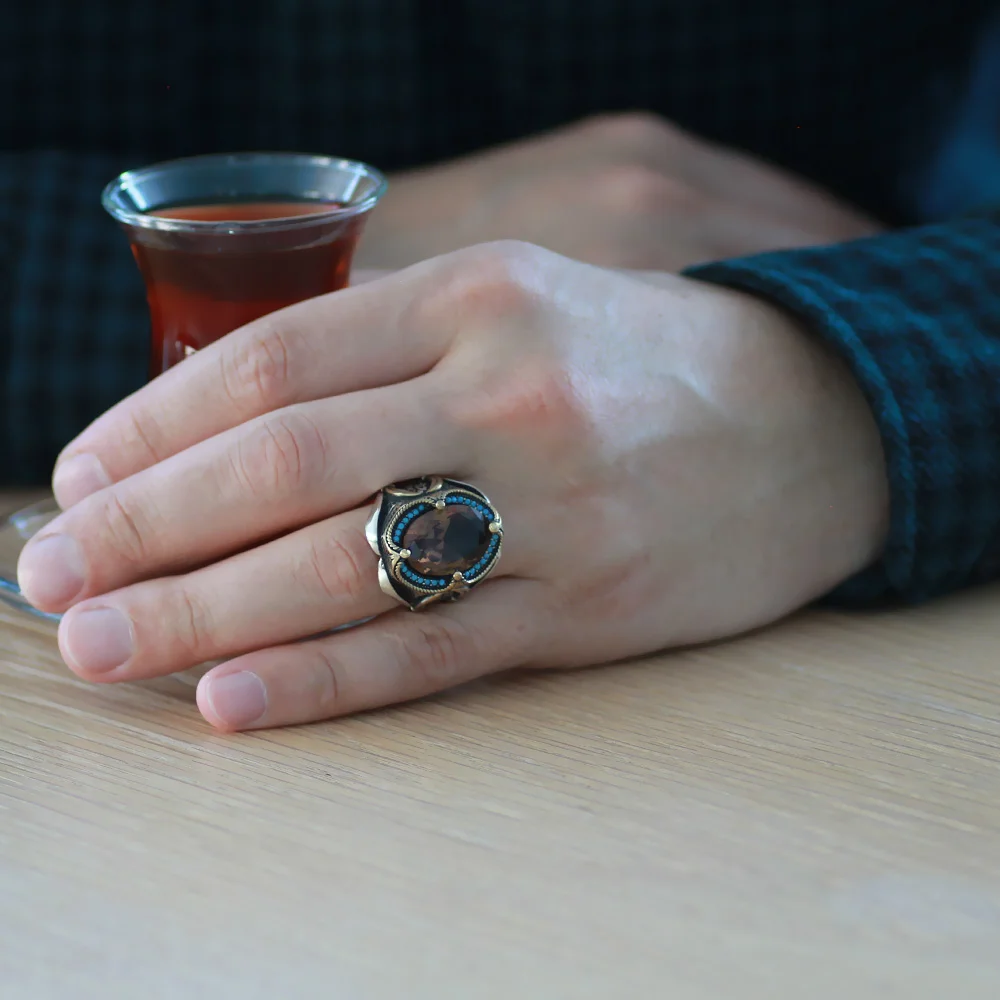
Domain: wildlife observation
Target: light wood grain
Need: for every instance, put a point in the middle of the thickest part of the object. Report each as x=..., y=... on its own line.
x=810, y=812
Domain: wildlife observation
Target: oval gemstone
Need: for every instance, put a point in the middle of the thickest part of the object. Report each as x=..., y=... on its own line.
x=447, y=541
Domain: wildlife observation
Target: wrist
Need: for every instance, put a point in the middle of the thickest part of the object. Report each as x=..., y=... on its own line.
x=796, y=396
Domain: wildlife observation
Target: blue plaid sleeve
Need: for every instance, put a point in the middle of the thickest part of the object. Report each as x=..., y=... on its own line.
x=73, y=326
x=916, y=314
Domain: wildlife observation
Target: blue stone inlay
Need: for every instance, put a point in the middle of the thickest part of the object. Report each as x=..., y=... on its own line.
x=486, y=559
x=404, y=521
x=424, y=581
x=469, y=502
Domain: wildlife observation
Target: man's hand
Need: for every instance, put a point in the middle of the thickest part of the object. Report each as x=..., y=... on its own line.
x=673, y=463
x=629, y=191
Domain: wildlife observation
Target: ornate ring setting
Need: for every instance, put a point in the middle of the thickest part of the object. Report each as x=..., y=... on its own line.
x=435, y=538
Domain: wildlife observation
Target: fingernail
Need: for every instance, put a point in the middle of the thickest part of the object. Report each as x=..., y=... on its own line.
x=238, y=700
x=78, y=477
x=51, y=571
x=98, y=640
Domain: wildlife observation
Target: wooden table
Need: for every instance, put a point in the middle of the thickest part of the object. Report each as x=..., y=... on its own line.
x=812, y=811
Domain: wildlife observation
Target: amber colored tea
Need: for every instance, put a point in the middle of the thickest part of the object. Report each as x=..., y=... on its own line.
x=204, y=285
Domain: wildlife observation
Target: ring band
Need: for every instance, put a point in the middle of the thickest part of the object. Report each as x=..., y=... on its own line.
x=435, y=539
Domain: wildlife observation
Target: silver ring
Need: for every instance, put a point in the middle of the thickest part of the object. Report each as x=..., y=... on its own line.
x=435, y=539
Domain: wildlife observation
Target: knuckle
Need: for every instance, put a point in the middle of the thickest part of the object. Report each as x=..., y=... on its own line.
x=336, y=567
x=256, y=374
x=630, y=129
x=636, y=190
x=327, y=674
x=494, y=280
x=283, y=453
x=535, y=399
x=438, y=650
x=140, y=432
x=191, y=623
x=125, y=529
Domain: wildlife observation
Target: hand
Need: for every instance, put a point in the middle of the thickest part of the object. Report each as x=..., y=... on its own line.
x=629, y=191
x=673, y=463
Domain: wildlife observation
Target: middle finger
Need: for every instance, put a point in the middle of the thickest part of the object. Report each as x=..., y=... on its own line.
x=278, y=472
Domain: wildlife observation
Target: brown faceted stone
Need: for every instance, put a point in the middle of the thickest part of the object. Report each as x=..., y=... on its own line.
x=447, y=541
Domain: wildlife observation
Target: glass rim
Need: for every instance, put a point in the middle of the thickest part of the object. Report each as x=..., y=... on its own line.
x=147, y=220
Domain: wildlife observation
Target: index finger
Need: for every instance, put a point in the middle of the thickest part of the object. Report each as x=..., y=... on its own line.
x=341, y=342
